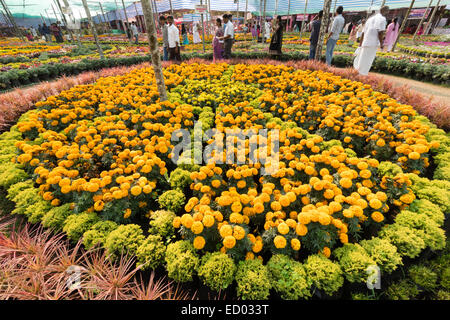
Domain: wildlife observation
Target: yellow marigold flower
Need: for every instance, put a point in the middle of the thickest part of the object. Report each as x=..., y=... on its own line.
x=345, y=183
x=197, y=227
x=249, y=256
x=283, y=228
x=275, y=206
x=226, y=230
x=301, y=229
x=326, y=252
x=176, y=222
x=375, y=203
x=229, y=242
x=127, y=213
x=208, y=220
x=236, y=207
x=187, y=220
x=238, y=232
x=279, y=242
x=257, y=247
x=199, y=242
x=136, y=190
x=344, y=238
x=216, y=183
x=295, y=244
x=377, y=216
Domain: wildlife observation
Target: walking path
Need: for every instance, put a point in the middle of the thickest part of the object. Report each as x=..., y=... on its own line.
x=437, y=92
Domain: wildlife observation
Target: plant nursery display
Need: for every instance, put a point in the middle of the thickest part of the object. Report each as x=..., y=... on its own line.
x=258, y=180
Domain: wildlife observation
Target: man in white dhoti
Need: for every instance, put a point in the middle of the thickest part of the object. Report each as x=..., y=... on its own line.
x=371, y=38
x=196, y=34
x=266, y=31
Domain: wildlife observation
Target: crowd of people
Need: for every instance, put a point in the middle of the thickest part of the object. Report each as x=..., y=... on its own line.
x=44, y=32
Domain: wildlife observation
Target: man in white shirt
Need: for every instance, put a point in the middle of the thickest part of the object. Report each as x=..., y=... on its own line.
x=135, y=32
x=333, y=36
x=164, y=27
x=174, y=40
x=372, y=37
x=228, y=36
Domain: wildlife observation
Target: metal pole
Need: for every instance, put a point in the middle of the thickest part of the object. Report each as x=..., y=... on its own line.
x=421, y=21
x=304, y=15
x=137, y=13
x=94, y=31
x=237, y=11
x=246, y=9
x=276, y=8
x=369, y=11
x=403, y=25
x=54, y=12
x=430, y=21
x=42, y=18
x=203, y=29
x=48, y=17
x=119, y=17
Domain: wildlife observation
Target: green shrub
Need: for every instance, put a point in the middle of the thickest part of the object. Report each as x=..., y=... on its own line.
x=436, y=191
x=56, y=217
x=443, y=295
x=77, y=224
x=407, y=240
x=172, y=200
x=161, y=223
x=37, y=210
x=217, y=270
x=445, y=278
x=354, y=261
x=288, y=277
x=402, y=290
x=24, y=199
x=383, y=253
x=125, y=240
x=324, y=274
x=182, y=261
x=429, y=231
x=180, y=179
x=151, y=252
x=11, y=174
x=387, y=168
x=18, y=187
x=253, y=280
x=423, y=276
x=97, y=234
x=428, y=208
x=361, y=296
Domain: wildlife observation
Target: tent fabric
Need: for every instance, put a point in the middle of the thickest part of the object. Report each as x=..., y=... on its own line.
x=254, y=6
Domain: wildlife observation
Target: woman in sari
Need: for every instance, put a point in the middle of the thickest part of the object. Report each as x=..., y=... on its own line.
x=391, y=34
x=277, y=39
x=184, y=34
x=218, y=44
x=254, y=31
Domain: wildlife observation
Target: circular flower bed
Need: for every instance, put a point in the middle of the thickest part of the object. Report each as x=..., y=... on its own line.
x=350, y=190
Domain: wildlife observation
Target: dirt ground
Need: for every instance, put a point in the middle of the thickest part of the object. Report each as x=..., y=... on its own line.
x=437, y=92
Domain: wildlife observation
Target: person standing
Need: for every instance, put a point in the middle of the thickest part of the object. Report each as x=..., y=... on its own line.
x=228, y=36
x=254, y=32
x=371, y=38
x=266, y=31
x=134, y=32
x=184, y=34
x=217, y=43
x=333, y=36
x=314, y=38
x=165, y=37
x=196, y=34
x=360, y=29
x=277, y=38
x=352, y=36
x=46, y=32
x=174, y=40
x=33, y=32
x=391, y=34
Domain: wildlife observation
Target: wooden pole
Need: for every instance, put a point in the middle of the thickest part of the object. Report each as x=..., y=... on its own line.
x=93, y=29
x=72, y=18
x=137, y=13
x=430, y=21
x=128, y=23
x=276, y=8
x=12, y=20
x=154, y=48
x=421, y=21
x=48, y=17
x=323, y=28
x=155, y=10
x=289, y=11
x=171, y=8
x=403, y=25
x=237, y=12
x=304, y=21
x=104, y=17
x=203, y=29
x=246, y=9
x=369, y=11
x=58, y=4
